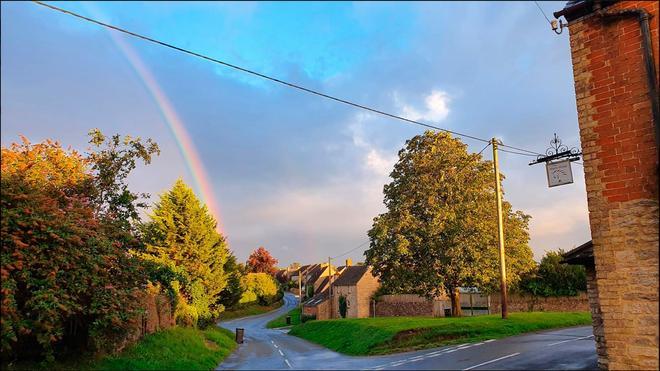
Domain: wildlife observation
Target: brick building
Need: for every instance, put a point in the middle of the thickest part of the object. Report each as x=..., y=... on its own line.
x=614, y=53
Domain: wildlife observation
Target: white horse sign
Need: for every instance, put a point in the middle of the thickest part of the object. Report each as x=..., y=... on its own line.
x=559, y=173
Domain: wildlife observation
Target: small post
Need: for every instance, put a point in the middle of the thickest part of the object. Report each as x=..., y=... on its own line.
x=500, y=230
x=471, y=307
x=239, y=335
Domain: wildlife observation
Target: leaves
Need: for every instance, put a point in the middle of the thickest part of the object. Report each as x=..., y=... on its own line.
x=182, y=234
x=67, y=273
x=440, y=231
x=261, y=261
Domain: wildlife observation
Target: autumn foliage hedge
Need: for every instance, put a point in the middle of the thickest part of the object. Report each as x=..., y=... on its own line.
x=68, y=279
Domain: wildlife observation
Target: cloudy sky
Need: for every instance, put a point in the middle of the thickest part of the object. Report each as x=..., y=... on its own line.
x=298, y=174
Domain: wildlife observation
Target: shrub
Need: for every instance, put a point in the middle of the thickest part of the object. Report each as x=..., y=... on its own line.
x=68, y=278
x=552, y=278
x=260, y=287
x=343, y=306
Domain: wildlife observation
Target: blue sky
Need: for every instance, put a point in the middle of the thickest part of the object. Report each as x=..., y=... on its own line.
x=297, y=174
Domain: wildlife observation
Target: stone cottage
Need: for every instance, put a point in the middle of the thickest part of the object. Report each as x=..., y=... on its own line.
x=358, y=285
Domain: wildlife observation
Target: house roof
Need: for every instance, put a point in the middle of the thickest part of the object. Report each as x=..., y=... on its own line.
x=581, y=255
x=351, y=275
x=577, y=8
x=314, y=273
x=317, y=299
x=324, y=284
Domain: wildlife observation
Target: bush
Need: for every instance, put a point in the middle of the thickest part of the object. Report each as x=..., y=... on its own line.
x=552, y=278
x=304, y=318
x=343, y=306
x=260, y=287
x=69, y=280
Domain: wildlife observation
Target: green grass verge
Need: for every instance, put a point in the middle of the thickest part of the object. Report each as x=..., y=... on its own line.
x=368, y=336
x=176, y=348
x=249, y=310
x=281, y=320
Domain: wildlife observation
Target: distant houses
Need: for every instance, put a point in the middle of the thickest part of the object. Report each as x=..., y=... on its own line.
x=355, y=284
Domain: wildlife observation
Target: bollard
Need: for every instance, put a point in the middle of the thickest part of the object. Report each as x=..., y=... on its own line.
x=288, y=320
x=239, y=335
x=447, y=312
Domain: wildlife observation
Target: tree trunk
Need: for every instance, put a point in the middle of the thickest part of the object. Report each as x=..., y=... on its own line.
x=456, y=303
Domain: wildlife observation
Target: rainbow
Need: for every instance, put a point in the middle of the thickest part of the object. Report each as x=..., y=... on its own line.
x=185, y=144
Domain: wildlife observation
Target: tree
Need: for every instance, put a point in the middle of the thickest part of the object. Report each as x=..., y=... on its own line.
x=439, y=232
x=182, y=234
x=68, y=279
x=259, y=287
x=552, y=278
x=232, y=293
x=260, y=261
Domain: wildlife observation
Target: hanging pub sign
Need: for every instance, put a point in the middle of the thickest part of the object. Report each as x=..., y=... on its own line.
x=559, y=173
x=558, y=160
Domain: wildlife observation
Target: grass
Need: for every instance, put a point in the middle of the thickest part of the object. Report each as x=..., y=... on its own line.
x=176, y=348
x=281, y=320
x=370, y=336
x=249, y=310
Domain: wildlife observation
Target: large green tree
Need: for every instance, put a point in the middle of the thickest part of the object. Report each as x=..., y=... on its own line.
x=182, y=234
x=440, y=229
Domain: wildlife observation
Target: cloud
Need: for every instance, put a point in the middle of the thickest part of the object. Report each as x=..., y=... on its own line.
x=436, y=107
x=374, y=159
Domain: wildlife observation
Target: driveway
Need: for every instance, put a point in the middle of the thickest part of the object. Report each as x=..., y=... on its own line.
x=266, y=349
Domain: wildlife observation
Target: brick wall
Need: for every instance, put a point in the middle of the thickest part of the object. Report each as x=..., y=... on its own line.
x=529, y=303
x=157, y=316
x=620, y=165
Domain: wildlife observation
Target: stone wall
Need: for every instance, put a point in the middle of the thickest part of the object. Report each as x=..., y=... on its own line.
x=620, y=166
x=529, y=303
x=366, y=288
x=409, y=305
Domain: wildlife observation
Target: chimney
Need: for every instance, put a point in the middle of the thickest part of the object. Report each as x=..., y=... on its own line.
x=349, y=262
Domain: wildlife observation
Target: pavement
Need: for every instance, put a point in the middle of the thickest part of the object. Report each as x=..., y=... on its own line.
x=273, y=349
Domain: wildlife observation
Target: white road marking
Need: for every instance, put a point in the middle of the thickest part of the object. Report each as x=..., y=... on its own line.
x=491, y=361
x=280, y=350
x=287, y=362
x=424, y=356
x=566, y=341
x=489, y=340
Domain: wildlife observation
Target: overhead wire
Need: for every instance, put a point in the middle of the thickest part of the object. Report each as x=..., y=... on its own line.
x=542, y=12
x=351, y=250
x=277, y=80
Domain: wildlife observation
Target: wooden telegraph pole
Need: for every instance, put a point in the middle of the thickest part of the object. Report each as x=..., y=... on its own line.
x=500, y=231
x=299, y=288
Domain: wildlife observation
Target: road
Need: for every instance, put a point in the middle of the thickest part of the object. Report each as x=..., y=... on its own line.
x=266, y=349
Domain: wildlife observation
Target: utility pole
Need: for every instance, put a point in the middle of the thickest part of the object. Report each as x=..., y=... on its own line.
x=330, y=284
x=500, y=231
x=299, y=288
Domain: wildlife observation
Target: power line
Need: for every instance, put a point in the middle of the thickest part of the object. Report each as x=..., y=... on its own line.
x=246, y=70
x=542, y=12
x=351, y=250
x=274, y=79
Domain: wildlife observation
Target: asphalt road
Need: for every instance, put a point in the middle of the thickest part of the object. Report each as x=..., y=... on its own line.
x=266, y=349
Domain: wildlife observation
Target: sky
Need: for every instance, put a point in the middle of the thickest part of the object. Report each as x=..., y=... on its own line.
x=295, y=173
